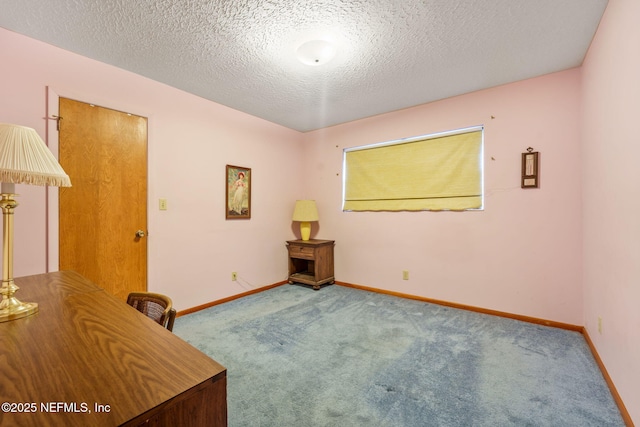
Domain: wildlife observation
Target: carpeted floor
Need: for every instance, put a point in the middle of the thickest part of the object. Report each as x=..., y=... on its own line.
x=345, y=357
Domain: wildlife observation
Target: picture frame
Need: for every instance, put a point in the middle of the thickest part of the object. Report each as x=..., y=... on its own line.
x=238, y=192
x=530, y=176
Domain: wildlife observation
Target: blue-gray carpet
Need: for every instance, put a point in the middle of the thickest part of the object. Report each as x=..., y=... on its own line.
x=345, y=357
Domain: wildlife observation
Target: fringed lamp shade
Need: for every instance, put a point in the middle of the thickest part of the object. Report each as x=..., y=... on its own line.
x=305, y=212
x=24, y=159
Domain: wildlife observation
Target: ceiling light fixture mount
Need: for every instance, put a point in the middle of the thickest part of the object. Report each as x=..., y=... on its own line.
x=316, y=52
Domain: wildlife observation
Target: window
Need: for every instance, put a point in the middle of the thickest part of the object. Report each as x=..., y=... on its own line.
x=433, y=172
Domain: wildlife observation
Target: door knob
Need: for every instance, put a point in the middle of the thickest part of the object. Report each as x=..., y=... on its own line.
x=140, y=233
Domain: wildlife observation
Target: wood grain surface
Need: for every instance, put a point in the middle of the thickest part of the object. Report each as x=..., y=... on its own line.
x=85, y=348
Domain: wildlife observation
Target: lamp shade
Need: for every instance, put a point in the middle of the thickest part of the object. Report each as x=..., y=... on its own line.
x=24, y=158
x=305, y=210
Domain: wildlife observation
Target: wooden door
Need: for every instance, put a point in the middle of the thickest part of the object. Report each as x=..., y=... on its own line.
x=105, y=154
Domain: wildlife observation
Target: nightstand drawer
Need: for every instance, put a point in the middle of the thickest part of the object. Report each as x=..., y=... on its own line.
x=303, y=252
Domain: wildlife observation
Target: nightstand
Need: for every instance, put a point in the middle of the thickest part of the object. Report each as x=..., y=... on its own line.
x=311, y=262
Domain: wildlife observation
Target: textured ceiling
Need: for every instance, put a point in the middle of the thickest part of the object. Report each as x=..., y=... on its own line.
x=392, y=54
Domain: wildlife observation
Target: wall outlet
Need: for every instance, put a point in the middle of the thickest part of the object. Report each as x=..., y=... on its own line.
x=234, y=276
x=599, y=324
x=162, y=204
x=405, y=274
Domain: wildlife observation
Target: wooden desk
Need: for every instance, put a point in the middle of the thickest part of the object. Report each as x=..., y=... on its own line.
x=88, y=359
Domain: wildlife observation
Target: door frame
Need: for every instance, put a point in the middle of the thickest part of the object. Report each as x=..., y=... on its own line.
x=52, y=211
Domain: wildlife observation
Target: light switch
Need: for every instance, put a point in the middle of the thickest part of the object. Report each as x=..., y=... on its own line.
x=163, y=204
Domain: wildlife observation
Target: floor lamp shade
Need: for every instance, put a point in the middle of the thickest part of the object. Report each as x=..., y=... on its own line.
x=24, y=159
x=305, y=212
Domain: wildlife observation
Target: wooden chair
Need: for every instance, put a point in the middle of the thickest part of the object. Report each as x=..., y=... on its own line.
x=155, y=306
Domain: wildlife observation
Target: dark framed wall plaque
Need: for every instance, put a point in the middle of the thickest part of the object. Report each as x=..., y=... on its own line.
x=530, y=168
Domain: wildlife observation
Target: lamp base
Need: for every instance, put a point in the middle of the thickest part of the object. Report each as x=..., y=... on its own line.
x=11, y=308
x=23, y=309
x=305, y=230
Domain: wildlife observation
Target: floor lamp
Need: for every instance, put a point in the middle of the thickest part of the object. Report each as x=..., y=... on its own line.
x=24, y=159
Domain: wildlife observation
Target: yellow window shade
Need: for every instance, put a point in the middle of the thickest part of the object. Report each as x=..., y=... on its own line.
x=437, y=173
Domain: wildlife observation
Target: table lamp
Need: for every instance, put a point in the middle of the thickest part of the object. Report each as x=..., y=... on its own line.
x=24, y=158
x=305, y=212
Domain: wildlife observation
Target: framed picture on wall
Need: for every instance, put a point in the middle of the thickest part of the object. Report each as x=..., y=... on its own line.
x=530, y=175
x=238, y=192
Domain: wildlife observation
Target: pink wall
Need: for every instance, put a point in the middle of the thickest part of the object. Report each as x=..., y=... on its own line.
x=522, y=254
x=611, y=92
x=192, y=248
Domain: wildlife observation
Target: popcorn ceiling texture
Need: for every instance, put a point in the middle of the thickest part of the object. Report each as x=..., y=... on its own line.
x=392, y=54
